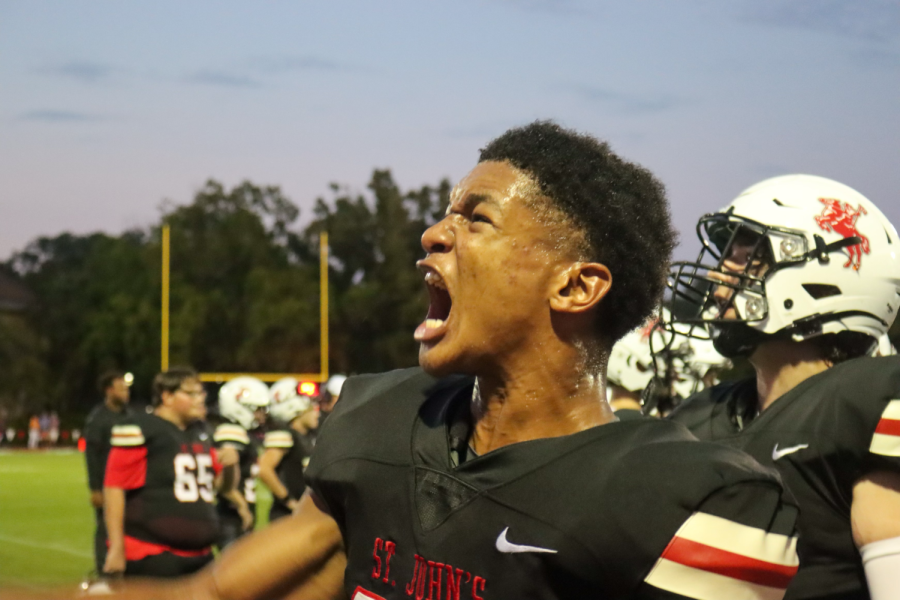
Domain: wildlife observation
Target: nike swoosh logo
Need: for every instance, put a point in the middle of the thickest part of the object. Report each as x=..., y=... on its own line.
x=776, y=453
x=508, y=548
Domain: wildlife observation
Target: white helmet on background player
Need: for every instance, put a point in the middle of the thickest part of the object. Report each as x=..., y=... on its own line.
x=631, y=359
x=240, y=397
x=286, y=402
x=334, y=384
x=822, y=259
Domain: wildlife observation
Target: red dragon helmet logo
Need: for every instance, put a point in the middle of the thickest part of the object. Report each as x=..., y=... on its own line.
x=841, y=218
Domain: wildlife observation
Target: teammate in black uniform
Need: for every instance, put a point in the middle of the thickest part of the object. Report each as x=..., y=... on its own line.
x=288, y=445
x=241, y=402
x=806, y=277
x=514, y=479
x=97, y=433
x=160, y=485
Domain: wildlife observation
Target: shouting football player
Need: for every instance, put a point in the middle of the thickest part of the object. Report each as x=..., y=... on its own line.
x=498, y=470
x=161, y=482
x=805, y=281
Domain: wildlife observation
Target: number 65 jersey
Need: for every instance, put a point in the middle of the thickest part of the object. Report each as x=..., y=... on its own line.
x=168, y=477
x=628, y=510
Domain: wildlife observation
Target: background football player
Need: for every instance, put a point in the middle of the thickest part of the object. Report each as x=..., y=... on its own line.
x=288, y=445
x=161, y=480
x=652, y=368
x=804, y=281
x=97, y=434
x=242, y=402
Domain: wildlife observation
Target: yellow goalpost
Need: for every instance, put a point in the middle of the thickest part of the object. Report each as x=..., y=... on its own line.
x=320, y=377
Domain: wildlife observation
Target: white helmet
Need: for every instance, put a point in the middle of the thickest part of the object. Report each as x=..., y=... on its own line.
x=240, y=397
x=696, y=364
x=885, y=347
x=334, y=385
x=286, y=403
x=631, y=363
x=831, y=266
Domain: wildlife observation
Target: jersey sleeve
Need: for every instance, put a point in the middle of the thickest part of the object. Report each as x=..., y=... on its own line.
x=230, y=433
x=126, y=466
x=739, y=543
x=720, y=525
x=279, y=439
x=864, y=412
x=93, y=452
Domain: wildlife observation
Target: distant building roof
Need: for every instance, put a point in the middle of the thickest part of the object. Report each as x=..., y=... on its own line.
x=13, y=295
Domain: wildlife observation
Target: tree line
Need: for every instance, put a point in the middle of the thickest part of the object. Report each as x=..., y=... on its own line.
x=244, y=292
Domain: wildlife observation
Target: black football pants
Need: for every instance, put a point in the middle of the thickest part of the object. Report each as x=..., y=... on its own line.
x=230, y=529
x=100, y=541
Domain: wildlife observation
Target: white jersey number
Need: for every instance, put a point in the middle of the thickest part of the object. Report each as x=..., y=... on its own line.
x=250, y=485
x=193, y=477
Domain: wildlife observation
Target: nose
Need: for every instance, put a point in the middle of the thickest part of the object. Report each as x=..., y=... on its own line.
x=438, y=237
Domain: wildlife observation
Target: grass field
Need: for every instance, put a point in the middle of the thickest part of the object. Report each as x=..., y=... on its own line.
x=46, y=522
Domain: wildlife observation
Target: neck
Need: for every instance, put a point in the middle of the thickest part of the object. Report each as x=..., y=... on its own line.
x=560, y=393
x=782, y=365
x=166, y=413
x=113, y=404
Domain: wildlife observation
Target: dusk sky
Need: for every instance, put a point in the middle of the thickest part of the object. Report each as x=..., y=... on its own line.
x=108, y=108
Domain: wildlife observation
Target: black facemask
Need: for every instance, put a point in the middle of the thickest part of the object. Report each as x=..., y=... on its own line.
x=732, y=340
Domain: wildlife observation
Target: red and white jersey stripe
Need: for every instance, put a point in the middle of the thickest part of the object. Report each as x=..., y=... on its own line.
x=711, y=558
x=886, y=440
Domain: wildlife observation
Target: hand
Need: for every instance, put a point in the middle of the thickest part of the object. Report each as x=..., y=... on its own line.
x=228, y=456
x=97, y=498
x=246, y=517
x=115, y=561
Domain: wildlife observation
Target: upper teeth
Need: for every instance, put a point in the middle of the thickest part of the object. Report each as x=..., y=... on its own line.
x=432, y=278
x=433, y=323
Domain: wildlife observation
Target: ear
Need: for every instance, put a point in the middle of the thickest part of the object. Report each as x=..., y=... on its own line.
x=165, y=398
x=580, y=287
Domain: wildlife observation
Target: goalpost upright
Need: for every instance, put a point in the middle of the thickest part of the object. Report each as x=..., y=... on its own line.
x=319, y=377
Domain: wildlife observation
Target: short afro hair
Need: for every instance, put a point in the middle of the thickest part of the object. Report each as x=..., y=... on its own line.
x=620, y=207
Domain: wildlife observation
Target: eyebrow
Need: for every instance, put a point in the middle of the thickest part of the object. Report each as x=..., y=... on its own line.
x=472, y=200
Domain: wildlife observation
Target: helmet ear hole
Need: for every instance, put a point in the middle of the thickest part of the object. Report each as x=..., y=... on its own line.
x=821, y=290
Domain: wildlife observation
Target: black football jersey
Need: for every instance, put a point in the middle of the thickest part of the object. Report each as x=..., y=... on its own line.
x=235, y=436
x=176, y=505
x=297, y=451
x=630, y=509
x=822, y=436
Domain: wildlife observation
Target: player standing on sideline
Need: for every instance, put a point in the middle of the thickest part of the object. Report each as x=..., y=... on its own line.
x=288, y=446
x=805, y=281
x=513, y=479
x=160, y=483
x=97, y=434
x=240, y=402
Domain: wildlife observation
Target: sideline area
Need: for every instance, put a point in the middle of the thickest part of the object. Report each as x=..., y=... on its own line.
x=46, y=522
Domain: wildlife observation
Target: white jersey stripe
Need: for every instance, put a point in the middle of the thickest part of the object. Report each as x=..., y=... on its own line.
x=703, y=585
x=885, y=445
x=730, y=536
x=127, y=440
x=892, y=411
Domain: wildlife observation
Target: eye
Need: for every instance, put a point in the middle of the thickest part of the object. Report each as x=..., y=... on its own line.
x=480, y=218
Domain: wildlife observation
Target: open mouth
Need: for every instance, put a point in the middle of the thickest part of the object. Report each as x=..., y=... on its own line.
x=435, y=323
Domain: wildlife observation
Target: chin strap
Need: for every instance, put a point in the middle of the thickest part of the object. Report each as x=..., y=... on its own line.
x=881, y=561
